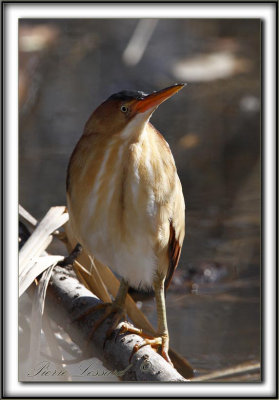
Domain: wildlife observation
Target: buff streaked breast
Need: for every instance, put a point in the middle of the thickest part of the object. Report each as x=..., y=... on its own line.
x=124, y=196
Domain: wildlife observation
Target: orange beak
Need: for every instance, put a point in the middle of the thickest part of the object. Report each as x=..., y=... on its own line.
x=154, y=99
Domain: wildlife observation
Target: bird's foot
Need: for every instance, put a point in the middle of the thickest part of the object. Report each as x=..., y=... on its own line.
x=110, y=309
x=159, y=343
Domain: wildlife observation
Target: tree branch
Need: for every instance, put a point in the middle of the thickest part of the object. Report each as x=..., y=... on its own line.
x=67, y=299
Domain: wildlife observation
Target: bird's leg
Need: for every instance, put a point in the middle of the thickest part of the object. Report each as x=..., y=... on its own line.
x=162, y=326
x=117, y=307
x=161, y=340
x=122, y=293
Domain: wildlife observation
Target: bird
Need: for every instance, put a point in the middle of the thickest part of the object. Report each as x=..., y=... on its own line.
x=125, y=201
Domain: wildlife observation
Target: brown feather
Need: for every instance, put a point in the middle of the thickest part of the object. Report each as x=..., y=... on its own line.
x=174, y=255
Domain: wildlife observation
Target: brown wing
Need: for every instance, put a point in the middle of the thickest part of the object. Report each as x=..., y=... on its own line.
x=176, y=231
x=172, y=206
x=174, y=255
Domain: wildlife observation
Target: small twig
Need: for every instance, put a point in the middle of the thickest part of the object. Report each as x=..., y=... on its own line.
x=69, y=260
x=26, y=216
x=239, y=369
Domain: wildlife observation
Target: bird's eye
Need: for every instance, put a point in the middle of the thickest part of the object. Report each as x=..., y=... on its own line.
x=124, y=109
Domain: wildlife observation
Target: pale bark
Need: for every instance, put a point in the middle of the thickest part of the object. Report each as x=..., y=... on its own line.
x=67, y=299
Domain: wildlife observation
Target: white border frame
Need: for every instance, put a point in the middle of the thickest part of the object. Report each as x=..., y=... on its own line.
x=266, y=12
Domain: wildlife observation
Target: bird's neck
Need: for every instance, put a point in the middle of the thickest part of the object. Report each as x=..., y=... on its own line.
x=135, y=130
x=99, y=146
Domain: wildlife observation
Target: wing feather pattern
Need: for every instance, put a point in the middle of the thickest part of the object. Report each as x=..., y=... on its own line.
x=176, y=232
x=174, y=255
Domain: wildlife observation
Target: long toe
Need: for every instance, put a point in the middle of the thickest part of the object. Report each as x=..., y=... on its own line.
x=127, y=327
x=109, y=310
x=159, y=342
x=155, y=343
x=90, y=310
x=165, y=349
x=118, y=316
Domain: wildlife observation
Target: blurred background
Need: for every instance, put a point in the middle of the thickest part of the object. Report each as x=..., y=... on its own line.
x=68, y=67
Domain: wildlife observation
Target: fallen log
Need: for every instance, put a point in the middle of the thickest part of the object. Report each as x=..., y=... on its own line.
x=67, y=299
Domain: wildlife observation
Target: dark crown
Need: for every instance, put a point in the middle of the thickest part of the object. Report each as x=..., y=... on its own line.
x=126, y=95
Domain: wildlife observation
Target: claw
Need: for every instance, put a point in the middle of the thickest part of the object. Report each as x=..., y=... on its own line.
x=154, y=342
x=126, y=327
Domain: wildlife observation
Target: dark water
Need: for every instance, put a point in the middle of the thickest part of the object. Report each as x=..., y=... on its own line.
x=213, y=127
x=215, y=328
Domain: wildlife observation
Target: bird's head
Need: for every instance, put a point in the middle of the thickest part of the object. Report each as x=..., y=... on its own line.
x=127, y=109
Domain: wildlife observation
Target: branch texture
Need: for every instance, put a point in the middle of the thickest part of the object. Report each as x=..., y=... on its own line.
x=67, y=299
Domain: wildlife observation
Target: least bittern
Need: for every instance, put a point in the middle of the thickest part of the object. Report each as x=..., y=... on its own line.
x=125, y=199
